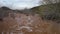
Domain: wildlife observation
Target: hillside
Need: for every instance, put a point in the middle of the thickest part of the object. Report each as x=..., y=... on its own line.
x=49, y=12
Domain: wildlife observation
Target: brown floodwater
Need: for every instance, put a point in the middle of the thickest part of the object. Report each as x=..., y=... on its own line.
x=27, y=24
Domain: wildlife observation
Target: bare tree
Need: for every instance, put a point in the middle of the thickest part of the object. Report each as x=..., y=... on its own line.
x=50, y=1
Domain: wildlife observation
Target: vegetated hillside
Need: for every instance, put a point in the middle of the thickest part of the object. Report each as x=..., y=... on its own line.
x=4, y=11
x=48, y=12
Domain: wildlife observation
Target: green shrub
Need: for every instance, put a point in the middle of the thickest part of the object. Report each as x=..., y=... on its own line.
x=49, y=12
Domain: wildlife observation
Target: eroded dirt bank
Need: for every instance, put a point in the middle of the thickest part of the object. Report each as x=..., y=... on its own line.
x=19, y=23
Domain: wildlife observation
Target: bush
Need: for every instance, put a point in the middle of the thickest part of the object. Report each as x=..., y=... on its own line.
x=48, y=12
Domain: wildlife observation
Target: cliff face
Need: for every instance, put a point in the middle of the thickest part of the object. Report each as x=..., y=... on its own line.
x=22, y=23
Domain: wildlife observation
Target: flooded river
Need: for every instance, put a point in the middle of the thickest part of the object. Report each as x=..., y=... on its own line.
x=18, y=23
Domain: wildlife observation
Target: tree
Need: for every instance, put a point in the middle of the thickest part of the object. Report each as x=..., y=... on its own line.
x=50, y=1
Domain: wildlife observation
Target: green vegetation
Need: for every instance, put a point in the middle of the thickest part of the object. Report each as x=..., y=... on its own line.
x=50, y=11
